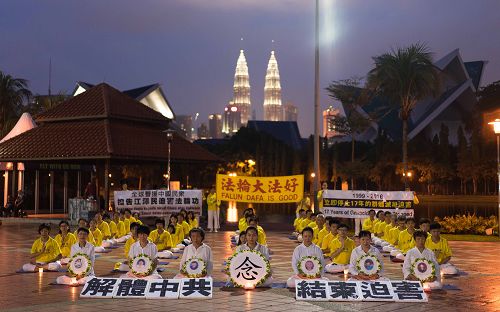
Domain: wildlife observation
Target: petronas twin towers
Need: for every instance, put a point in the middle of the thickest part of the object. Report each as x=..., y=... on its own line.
x=273, y=110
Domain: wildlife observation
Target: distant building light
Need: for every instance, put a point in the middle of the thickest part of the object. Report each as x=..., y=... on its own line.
x=234, y=109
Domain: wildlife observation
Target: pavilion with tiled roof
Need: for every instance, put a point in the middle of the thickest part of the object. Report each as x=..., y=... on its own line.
x=94, y=133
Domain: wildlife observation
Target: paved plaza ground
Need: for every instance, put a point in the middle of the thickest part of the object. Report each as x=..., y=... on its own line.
x=476, y=289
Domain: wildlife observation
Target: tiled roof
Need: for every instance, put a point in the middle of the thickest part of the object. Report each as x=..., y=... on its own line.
x=101, y=101
x=135, y=93
x=101, y=123
x=99, y=139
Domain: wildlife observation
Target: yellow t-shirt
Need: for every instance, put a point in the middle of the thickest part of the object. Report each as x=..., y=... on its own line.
x=321, y=234
x=379, y=228
x=51, y=250
x=345, y=256
x=186, y=227
x=368, y=224
x=127, y=223
x=162, y=241
x=303, y=224
x=442, y=247
x=179, y=235
x=327, y=240
x=320, y=199
x=65, y=247
x=388, y=227
x=193, y=223
x=127, y=246
x=97, y=237
x=104, y=228
x=297, y=222
x=242, y=224
x=393, y=235
x=212, y=202
x=405, y=241
x=113, y=228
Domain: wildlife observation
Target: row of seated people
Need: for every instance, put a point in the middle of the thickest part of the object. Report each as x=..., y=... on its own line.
x=390, y=233
x=46, y=253
x=105, y=233
x=346, y=256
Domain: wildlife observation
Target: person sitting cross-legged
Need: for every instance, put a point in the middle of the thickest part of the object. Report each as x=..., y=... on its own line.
x=82, y=246
x=143, y=246
x=441, y=249
x=365, y=249
x=162, y=239
x=306, y=249
x=197, y=249
x=341, y=249
x=419, y=252
x=45, y=253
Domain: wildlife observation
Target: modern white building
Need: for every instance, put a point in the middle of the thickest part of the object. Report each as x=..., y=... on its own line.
x=273, y=111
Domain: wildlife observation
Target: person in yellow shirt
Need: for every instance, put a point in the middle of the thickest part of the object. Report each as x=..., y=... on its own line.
x=390, y=223
x=341, y=249
x=441, y=249
x=179, y=231
x=325, y=245
x=305, y=222
x=424, y=225
x=123, y=266
x=262, y=238
x=185, y=228
x=120, y=234
x=103, y=226
x=405, y=241
x=45, y=252
x=304, y=203
x=376, y=225
x=65, y=239
x=324, y=231
x=127, y=219
x=113, y=228
x=242, y=223
x=370, y=221
x=324, y=187
x=213, y=211
x=192, y=220
x=162, y=239
x=82, y=223
x=298, y=220
x=97, y=236
x=320, y=231
x=136, y=218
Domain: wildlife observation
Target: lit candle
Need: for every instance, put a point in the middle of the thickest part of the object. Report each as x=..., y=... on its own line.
x=442, y=276
x=249, y=286
x=346, y=271
x=73, y=281
x=40, y=270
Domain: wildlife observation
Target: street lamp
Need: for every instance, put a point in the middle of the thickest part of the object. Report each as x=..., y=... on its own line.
x=496, y=129
x=316, y=107
x=170, y=138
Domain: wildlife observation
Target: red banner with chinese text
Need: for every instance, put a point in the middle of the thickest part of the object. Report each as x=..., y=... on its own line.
x=284, y=189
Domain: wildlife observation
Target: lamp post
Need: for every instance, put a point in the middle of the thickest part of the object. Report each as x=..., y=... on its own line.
x=316, y=109
x=170, y=138
x=496, y=129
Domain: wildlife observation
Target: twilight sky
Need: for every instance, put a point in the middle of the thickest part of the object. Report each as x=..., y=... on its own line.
x=191, y=46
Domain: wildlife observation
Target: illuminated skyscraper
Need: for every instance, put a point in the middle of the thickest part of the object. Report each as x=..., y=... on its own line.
x=241, y=89
x=273, y=111
x=290, y=112
x=231, y=120
x=329, y=116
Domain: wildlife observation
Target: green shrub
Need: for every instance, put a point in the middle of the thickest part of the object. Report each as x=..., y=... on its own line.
x=467, y=224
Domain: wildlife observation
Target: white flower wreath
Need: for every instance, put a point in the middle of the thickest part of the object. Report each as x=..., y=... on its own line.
x=368, y=264
x=141, y=265
x=194, y=268
x=423, y=269
x=79, y=265
x=310, y=267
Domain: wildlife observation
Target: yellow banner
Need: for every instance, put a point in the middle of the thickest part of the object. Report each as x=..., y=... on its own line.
x=284, y=189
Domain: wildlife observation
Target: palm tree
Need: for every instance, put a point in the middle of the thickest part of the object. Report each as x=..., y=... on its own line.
x=405, y=76
x=13, y=92
x=355, y=121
